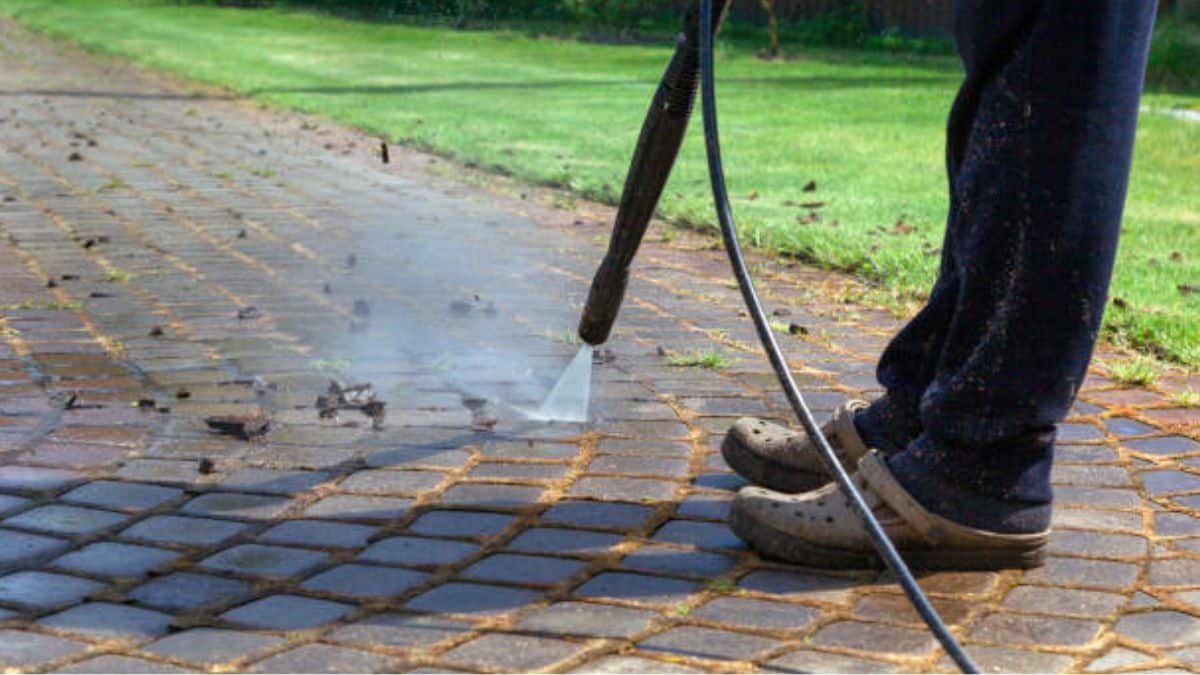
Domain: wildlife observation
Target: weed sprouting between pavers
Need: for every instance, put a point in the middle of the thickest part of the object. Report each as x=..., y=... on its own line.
x=701, y=358
x=1138, y=371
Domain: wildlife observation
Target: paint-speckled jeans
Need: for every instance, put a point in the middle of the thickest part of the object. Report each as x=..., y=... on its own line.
x=1039, y=147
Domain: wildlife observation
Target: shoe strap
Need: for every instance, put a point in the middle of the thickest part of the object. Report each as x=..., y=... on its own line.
x=852, y=445
x=874, y=471
x=931, y=527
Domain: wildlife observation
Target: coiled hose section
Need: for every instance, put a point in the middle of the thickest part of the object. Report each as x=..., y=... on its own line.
x=716, y=171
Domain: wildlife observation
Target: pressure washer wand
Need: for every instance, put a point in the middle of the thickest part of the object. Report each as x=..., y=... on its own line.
x=657, y=147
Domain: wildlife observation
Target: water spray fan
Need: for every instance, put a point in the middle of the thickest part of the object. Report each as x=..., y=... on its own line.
x=692, y=68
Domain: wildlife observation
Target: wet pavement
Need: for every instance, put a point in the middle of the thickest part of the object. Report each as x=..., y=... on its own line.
x=170, y=254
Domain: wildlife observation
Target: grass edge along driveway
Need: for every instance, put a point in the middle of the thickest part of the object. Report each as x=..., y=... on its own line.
x=865, y=128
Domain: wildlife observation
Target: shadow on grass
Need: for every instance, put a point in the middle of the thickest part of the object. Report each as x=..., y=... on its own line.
x=818, y=82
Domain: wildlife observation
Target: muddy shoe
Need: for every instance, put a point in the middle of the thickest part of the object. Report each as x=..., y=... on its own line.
x=787, y=461
x=821, y=529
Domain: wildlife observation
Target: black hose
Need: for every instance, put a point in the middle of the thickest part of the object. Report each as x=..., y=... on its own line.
x=716, y=170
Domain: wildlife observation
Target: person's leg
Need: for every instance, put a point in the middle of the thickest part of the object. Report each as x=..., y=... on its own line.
x=1040, y=146
x=1038, y=193
x=987, y=34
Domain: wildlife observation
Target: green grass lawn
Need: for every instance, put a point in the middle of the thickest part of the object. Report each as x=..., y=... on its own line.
x=867, y=127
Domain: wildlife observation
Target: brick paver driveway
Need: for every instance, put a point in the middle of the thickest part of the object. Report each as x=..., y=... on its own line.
x=140, y=219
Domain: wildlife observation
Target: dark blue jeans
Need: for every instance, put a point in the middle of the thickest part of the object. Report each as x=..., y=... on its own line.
x=1039, y=147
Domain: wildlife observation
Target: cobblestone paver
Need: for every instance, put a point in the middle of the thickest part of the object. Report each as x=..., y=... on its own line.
x=168, y=253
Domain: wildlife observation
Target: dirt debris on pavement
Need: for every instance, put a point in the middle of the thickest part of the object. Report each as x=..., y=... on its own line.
x=247, y=427
x=481, y=418
x=360, y=397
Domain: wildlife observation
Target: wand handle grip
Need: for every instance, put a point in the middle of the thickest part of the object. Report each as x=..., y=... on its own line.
x=657, y=148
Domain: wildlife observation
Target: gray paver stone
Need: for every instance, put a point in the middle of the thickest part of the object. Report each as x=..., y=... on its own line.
x=1118, y=657
x=637, y=588
x=1023, y=629
x=319, y=658
x=564, y=542
x=24, y=650
x=287, y=612
x=638, y=466
x=598, y=514
x=35, y=478
x=796, y=584
x=531, y=450
x=875, y=637
x=511, y=653
x=275, y=481
x=1100, y=574
x=165, y=470
x=108, y=620
x=700, y=535
x=473, y=524
x=44, y=590
x=365, y=581
x=1063, y=601
x=762, y=614
x=529, y=472
x=68, y=520
x=896, y=608
x=186, y=531
x=122, y=496
x=624, y=446
x=1069, y=542
x=1176, y=525
x=588, y=619
x=1096, y=520
x=728, y=482
x=121, y=664
x=1169, y=482
x=1074, y=433
x=463, y=598
x=418, y=457
x=10, y=503
x=809, y=661
x=399, y=631
x=1005, y=660
x=1123, y=426
x=526, y=569
x=417, y=551
x=183, y=590
x=1164, y=445
x=210, y=646
x=491, y=495
x=709, y=643
x=665, y=560
x=265, y=561
x=353, y=507
x=623, y=489
x=387, y=482
x=1174, y=572
x=319, y=533
x=1076, y=496
x=236, y=505
x=1090, y=475
x=1160, y=628
x=17, y=548
x=706, y=505
x=1084, y=453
